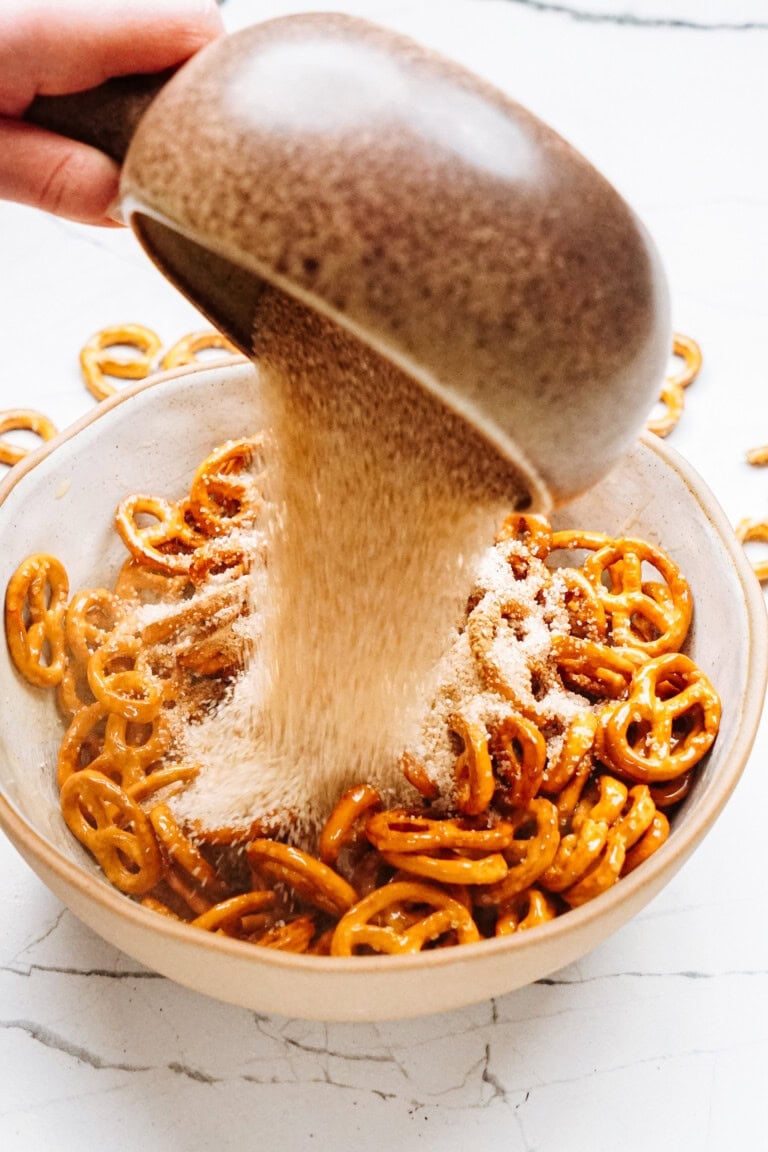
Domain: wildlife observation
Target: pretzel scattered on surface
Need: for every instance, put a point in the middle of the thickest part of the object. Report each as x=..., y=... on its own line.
x=98, y=361
x=539, y=816
x=748, y=531
x=22, y=420
x=672, y=395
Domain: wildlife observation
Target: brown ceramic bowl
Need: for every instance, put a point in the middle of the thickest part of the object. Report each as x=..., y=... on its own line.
x=150, y=438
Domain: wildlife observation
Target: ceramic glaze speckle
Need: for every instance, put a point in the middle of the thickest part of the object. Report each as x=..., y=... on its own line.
x=422, y=209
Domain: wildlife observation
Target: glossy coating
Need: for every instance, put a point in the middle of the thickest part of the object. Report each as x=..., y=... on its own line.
x=423, y=210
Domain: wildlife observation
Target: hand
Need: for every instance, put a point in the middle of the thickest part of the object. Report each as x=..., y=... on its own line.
x=61, y=46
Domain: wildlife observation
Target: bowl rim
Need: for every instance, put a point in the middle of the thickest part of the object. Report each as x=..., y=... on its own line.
x=33, y=846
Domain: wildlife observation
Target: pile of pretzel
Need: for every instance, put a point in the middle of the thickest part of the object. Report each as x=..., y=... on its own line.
x=522, y=837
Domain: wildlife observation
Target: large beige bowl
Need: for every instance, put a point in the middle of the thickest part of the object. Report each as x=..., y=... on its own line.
x=150, y=438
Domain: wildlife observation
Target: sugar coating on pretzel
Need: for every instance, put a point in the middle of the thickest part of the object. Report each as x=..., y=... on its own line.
x=564, y=727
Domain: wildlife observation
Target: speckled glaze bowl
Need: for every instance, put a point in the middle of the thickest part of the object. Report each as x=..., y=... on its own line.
x=422, y=210
x=150, y=438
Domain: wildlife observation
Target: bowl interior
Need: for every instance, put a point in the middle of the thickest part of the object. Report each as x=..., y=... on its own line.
x=150, y=440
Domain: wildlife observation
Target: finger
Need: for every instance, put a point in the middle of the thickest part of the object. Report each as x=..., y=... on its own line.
x=55, y=174
x=52, y=49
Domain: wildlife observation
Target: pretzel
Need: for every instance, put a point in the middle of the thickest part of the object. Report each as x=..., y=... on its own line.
x=578, y=741
x=586, y=615
x=595, y=669
x=140, y=585
x=474, y=782
x=575, y=853
x=672, y=391
x=416, y=775
x=108, y=743
x=599, y=876
x=519, y=754
x=96, y=363
x=445, y=867
x=165, y=545
x=314, y=881
x=114, y=829
x=90, y=619
x=649, y=843
x=749, y=531
x=294, y=935
x=339, y=828
x=134, y=692
x=531, y=852
x=665, y=727
x=625, y=599
x=22, y=420
x=527, y=910
x=534, y=532
x=757, y=456
x=398, y=830
x=183, y=854
x=187, y=349
x=73, y=691
x=358, y=928
x=35, y=603
x=227, y=916
x=224, y=494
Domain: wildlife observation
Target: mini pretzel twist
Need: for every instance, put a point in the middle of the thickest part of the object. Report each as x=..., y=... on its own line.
x=530, y=852
x=22, y=420
x=626, y=598
x=114, y=829
x=294, y=935
x=224, y=494
x=474, y=782
x=183, y=854
x=534, y=532
x=577, y=743
x=438, y=914
x=672, y=395
x=314, y=881
x=227, y=916
x=528, y=909
x=445, y=866
x=398, y=830
x=749, y=531
x=595, y=669
x=667, y=724
x=519, y=755
x=91, y=618
x=339, y=828
x=97, y=363
x=168, y=542
x=187, y=350
x=121, y=676
x=35, y=604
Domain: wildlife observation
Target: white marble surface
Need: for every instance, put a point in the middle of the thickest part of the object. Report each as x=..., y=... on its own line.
x=659, y=1039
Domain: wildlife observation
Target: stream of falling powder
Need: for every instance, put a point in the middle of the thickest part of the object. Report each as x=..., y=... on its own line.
x=383, y=501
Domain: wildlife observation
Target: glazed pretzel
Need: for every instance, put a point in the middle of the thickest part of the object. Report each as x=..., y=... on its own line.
x=97, y=363
x=595, y=669
x=519, y=755
x=179, y=850
x=447, y=867
x=530, y=853
x=187, y=350
x=749, y=531
x=534, y=532
x=137, y=584
x=314, y=881
x=665, y=727
x=438, y=913
x=224, y=494
x=586, y=615
x=474, y=782
x=22, y=420
x=114, y=829
x=626, y=598
x=35, y=603
x=575, y=853
x=339, y=828
x=121, y=677
x=576, y=747
x=399, y=830
x=228, y=915
x=294, y=935
x=90, y=619
x=168, y=542
x=649, y=843
x=527, y=910
x=106, y=742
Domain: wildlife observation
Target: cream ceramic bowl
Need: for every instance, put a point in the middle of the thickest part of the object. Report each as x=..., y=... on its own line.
x=150, y=438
